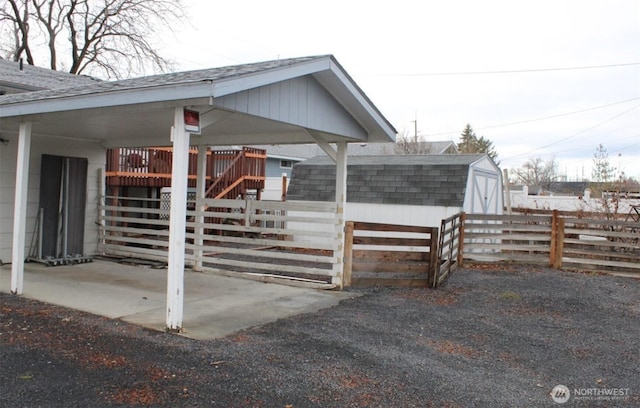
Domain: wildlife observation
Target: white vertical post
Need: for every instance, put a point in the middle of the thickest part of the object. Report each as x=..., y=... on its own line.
x=177, y=223
x=20, y=208
x=201, y=186
x=341, y=199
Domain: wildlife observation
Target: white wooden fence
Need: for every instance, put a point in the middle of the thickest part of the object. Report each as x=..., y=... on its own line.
x=257, y=239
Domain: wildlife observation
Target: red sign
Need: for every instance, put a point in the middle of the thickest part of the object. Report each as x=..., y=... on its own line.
x=192, y=121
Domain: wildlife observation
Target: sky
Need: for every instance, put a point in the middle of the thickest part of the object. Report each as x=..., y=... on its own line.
x=548, y=79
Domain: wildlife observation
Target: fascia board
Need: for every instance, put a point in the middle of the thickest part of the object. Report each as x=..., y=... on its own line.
x=134, y=96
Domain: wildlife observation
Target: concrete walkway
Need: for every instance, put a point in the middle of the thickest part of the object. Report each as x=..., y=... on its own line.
x=214, y=306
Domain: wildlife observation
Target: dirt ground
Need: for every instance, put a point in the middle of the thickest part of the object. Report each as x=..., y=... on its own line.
x=490, y=337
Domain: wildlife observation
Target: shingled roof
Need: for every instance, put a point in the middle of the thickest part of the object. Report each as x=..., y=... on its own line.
x=433, y=180
x=309, y=150
x=16, y=77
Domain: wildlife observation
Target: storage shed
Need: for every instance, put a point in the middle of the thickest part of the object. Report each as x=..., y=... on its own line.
x=404, y=189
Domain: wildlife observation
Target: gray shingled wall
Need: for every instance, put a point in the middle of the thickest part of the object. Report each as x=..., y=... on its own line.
x=424, y=180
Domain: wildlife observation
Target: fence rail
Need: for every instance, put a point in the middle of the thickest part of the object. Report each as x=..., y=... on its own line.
x=389, y=255
x=448, y=249
x=558, y=239
x=301, y=242
x=253, y=238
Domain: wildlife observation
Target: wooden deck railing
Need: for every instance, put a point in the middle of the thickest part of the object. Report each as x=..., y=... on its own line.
x=236, y=172
x=147, y=167
x=229, y=172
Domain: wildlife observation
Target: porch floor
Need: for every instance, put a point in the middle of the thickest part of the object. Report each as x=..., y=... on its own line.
x=214, y=306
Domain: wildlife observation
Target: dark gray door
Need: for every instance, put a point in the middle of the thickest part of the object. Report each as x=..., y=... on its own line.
x=63, y=194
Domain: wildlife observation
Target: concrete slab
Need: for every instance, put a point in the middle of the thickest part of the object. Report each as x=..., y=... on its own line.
x=214, y=306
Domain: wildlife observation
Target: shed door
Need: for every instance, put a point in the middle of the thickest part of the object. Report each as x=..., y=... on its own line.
x=486, y=190
x=63, y=193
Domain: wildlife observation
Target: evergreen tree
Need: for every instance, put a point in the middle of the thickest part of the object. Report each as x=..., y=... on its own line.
x=471, y=144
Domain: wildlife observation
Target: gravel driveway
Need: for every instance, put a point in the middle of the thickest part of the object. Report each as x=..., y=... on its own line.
x=490, y=337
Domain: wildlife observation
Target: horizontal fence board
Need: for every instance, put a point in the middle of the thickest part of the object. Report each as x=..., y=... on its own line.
x=506, y=257
x=507, y=237
x=603, y=223
x=391, y=267
x=591, y=253
x=623, y=235
x=571, y=242
x=601, y=262
x=137, y=241
x=506, y=247
x=504, y=218
x=311, y=219
x=257, y=231
x=136, y=210
x=386, y=241
x=388, y=255
x=371, y=226
x=133, y=252
x=265, y=266
x=328, y=245
x=304, y=206
x=104, y=229
x=508, y=227
x=106, y=219
x=271, y=278
x=213, y=251
x=369, y=282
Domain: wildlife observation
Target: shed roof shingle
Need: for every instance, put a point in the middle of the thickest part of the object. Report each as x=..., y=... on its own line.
x=431, y=180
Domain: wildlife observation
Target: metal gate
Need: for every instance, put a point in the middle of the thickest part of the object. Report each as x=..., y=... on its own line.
x=59, y=234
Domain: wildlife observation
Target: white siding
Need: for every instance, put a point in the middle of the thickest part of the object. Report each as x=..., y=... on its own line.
x=96, y=156
x=426, y=216
x=301, y=101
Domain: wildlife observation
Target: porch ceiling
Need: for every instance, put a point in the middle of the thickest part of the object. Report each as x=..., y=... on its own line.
x=148, y=125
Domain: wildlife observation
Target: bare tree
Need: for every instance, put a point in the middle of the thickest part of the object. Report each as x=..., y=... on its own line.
x=110, y=38
x=537, y=172
x=406, y=144
x=603, y=171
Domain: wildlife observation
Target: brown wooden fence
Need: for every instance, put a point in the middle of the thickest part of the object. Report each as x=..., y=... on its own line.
x=390, y=255
x=448, y=249
x=561, y=240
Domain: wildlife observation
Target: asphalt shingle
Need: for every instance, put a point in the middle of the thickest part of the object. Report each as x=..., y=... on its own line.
x=404, y=179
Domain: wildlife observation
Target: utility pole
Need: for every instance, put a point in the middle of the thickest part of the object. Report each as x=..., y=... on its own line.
x=415, y=128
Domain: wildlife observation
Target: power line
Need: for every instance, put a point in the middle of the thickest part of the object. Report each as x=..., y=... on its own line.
x=539, y=119
x=575, y=134
x=513, y=71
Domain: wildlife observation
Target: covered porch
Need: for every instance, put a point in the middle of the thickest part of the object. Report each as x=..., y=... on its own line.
x=298, y=100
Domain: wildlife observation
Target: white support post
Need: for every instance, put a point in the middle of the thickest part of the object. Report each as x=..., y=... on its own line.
x=20, y=209
x=201, y=186
x=177, y=223
x=341, y=199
